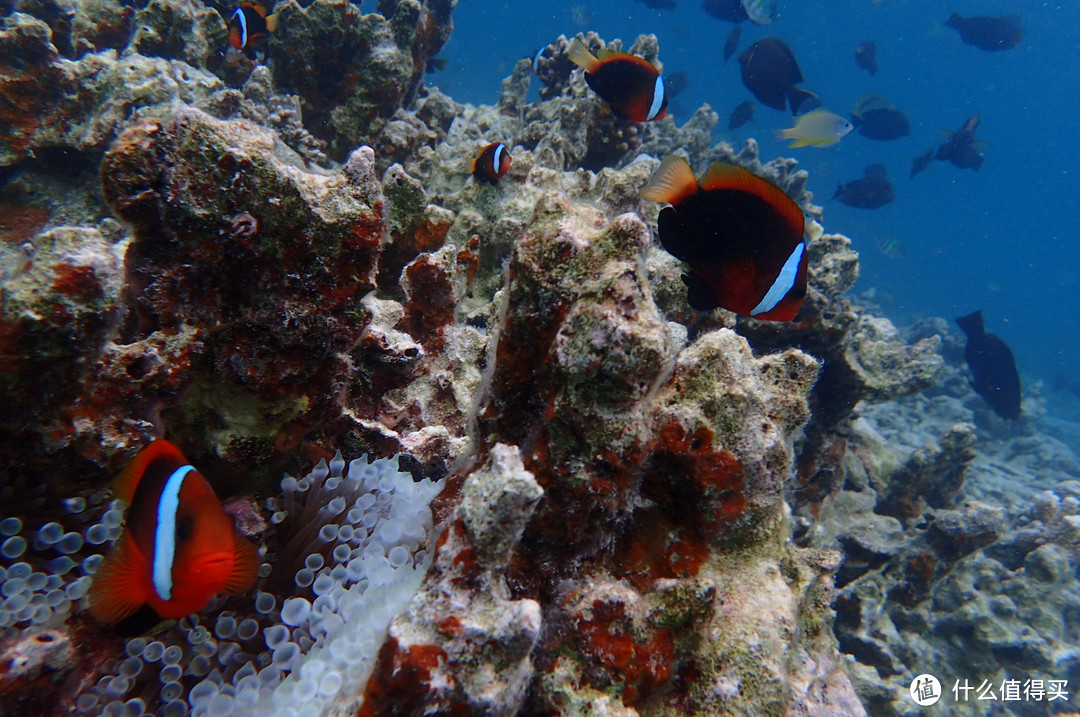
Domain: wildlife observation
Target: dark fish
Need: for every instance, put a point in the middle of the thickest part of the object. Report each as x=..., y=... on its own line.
x=865, y=57
x=741, y=235
x=770, y=72
x=676, y=83
x=883, y=124
x=876, y=118
x=630, y=84
x=872, y=191
x=731, y=44
x=993, y=369
x=249, y=28
x=435, y=64
x=988, y=33
x=961, y=148
x=921, y=162
x=659, y=4
x=726, y=10
x=742, y=114
x=492, y=163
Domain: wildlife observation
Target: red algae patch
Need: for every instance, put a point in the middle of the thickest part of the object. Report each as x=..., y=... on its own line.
x=19, y=222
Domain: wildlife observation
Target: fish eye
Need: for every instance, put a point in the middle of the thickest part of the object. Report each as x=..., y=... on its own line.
x=184, y=529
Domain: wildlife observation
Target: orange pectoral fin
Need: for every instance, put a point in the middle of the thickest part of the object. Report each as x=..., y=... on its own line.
x=119, y=586
x=245, y=567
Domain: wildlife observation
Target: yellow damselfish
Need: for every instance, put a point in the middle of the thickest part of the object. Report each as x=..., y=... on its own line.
x=818, y=128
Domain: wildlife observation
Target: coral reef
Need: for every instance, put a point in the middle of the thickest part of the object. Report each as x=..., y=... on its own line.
x=644, y=509
x=950, y=564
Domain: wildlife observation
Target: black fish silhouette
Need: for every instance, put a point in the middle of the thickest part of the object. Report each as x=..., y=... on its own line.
x=726, y=10
x=865, y=57
x=960, y=148
x=872, y=191
x=876, y=118
x=741, y=115
x=988, y=33
x=993, y=368
x=676, y=83
x=770, y=72
x=731, y=44
x=921, y=162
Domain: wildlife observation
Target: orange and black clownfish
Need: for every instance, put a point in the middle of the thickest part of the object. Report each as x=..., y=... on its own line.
x=630, y=84
x=492, y=163
x=249, y=27
x=741, y=235
x=179, y=547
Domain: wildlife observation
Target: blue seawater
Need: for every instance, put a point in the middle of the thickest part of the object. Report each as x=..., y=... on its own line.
x=1001, y=239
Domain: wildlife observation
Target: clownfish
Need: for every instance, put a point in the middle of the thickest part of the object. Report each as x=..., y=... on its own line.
x=179, y=547
x=249, y=27
x=492, y=163
x=630, y=84
x=741, y=235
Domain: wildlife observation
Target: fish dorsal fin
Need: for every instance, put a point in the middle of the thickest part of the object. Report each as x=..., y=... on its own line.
x=117, y=590
x=721, y=175
x=580, y=56
x=128, y=481
x=869, y=102
x=605, y=54
x=245, y=567
x=672, y=182
x=972, y=324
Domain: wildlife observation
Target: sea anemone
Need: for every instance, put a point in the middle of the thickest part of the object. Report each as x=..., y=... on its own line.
x=355, y=542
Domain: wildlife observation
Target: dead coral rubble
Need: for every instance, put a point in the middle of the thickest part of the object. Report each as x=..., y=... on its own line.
x=679, y=459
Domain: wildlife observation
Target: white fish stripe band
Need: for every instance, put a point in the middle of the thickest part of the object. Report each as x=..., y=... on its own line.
x=784, y=281
x=495, y=161
x=657, y=97
x=243, y=27
x=165, y=535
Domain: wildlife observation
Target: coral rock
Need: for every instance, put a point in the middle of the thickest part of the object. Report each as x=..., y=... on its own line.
x=463, y=645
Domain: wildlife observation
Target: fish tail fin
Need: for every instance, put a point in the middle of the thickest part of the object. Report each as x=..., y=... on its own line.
x=839, y=191
x=672, y=182
x=245, y=567
x=273, y=22
x=117, y=592
x=791, y=134
x=580, y=56
x=972, y=324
